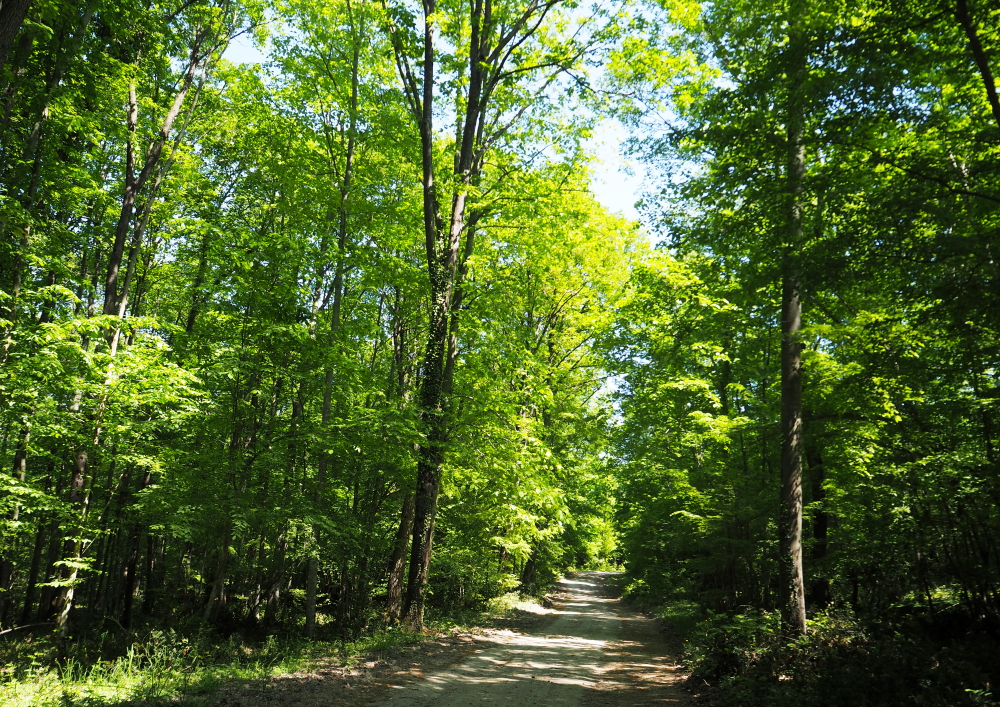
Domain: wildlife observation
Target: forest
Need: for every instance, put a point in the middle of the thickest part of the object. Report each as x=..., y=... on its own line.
x=343, y=343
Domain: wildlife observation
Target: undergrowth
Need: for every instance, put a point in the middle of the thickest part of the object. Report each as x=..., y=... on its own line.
x=160, y=665
x=904, y=658
x=186, y=664
x=748, y=662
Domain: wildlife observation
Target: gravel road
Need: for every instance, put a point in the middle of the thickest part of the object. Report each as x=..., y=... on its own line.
x=593, y=652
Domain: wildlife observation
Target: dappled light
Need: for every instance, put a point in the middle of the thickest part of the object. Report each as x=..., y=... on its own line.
x=586, y=655
x=330, y=374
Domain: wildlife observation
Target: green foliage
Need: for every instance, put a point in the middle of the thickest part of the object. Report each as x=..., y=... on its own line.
x=214, y=315
x=900, y=362
x=902, y=661
x=158, y=666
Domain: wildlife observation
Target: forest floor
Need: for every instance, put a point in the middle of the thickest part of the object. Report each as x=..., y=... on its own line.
x=587, y=650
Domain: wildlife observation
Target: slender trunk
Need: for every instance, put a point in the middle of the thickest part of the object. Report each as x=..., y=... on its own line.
x=397, y=563
x=17, y=266
x=793, y=587
x=217, y=599
x=132, y=564
x=79, y=496
x=7, y=561
x=199, y=282
x=47, y=601
x=821, y=596
x=312, y=573
x=155, y=574
x=431, y=452
x=32, y=583
x=443, y=239
x=12, y=14
x=979, y=54
x=135, y=182
x=277, y=579
x=147, y=210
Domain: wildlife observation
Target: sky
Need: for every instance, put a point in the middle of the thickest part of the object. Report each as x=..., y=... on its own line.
x=616, y=181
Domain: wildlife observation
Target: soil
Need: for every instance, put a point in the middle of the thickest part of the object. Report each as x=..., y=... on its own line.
x=587, y=650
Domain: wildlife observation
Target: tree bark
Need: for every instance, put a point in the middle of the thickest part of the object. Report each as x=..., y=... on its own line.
x=32, y=583
x=135, y=182
x=793, y=584
x=964, y=17
x=397, y=562
x=7, y=561
x=312, y=573
x=131, y=583
x=79, y=496
x=490, y=47
x=12, y=14
x=820, y=590
x=217, y=599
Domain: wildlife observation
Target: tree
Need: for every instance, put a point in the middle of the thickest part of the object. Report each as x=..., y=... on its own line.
x=504, y=62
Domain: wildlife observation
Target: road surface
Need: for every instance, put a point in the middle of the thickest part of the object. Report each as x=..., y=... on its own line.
x=594, y=652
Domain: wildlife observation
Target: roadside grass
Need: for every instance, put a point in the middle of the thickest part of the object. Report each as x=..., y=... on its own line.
x=161, y=666
x=679, y=617
x=494, y=613
x=187, y=664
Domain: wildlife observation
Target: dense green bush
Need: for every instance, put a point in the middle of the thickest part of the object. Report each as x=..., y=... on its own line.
x=899, y=661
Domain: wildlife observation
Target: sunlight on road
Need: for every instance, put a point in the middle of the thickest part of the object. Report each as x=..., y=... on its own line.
x=579, y=657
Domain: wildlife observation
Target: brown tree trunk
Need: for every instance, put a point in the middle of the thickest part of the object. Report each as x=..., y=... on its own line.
x=489, y=50
x=792, y=581
x=979, y=54
x=442, y=244
x=217, y=599
x=820, y=590
x=79, y=496
x=199, y=283
x=277, y=579
x=7, y=561
x=312, y=573
x=47, y=600
x=32, y=583
x=397, y=562
x=12, y=14
x=132, y=565
x=135, y=182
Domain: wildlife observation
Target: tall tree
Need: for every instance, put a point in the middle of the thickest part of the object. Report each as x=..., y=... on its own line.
x=505, y=60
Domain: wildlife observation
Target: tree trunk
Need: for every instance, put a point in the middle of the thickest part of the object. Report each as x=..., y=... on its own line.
x=979, y=54
x=397, y=563
x=217, y=599
x=135, y=182
x=79, y=495
x=277, y=579
x=7, y=561
x=312, y=574
x=820, y=590
x=12, y=14
x=132, y=565
x=489, y=49
x=792, y=581
x=199, y=282
x=32, y=583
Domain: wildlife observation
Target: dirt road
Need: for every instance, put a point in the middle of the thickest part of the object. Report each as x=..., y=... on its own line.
x=588, y=650
x=594, y=652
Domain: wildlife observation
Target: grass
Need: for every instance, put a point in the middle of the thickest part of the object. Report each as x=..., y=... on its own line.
x=185, y=665
x=165, y=666
x=680, y=617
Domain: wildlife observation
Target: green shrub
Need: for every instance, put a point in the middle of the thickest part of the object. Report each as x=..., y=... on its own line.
x=840, y=662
